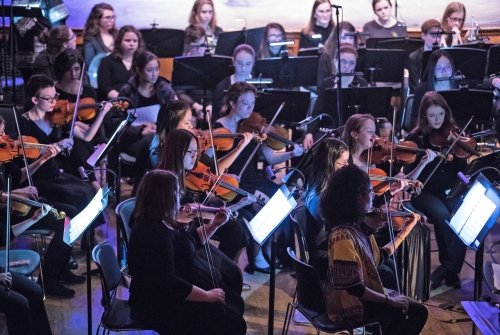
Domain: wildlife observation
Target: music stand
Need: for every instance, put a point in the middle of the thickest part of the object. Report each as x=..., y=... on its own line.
x=471, y=62
x=493, y=60
x=164, y=43
x=402, y=43
x=295, y=110
x=382, y=65
x=465, y=103
x=201, y=71
x=228, y=41
x=359, y=100
x=288, y=72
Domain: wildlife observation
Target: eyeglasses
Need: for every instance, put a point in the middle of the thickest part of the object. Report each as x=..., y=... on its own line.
x=456, y=19
x=192, y=152
x=111, y=17
x=50, y=99
x=275, y=36
x=347, y=62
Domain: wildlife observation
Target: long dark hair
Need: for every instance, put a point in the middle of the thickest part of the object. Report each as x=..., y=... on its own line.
x=431, y=66
x=432, y=98
x=233, y=93
x=323, y=157
x=169, y=117
x=55, y=39
x=65, y=60
x=172, y=154
x=157, y=197
x=354, y=123
x=264, y=45
x=341, y=201
x=331, y=42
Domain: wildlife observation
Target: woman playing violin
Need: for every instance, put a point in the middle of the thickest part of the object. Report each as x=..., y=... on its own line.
x=171, y=290
x=433, y=118
x=180, y=154
x=87, y=128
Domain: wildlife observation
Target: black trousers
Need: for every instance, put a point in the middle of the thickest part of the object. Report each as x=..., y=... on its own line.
x=24, y=308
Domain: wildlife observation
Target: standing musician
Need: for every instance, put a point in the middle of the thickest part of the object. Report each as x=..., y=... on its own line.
x=354, y=293
x=320, y=23
x=453, y=22
x=384, y=25
x=273, y=33
x=435, y=120
x=88, y=127
x=203, y=15
x=169, y=290
x=99, y=32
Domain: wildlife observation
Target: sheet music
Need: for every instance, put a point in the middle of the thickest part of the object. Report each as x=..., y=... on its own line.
x=146, y=114
x=496, y=275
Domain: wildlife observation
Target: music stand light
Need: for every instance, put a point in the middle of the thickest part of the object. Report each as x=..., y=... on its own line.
x=164, y=43
x=228, y=41
x=295, y=110
x=402, y=43
x=359, y=100
x=288, y=72
x=471, y=62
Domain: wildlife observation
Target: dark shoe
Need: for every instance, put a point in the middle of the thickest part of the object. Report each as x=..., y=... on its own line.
x=250, y=269
x=263, y=270
x=437, y=277
x=58, y=290
x=453, y=280
x=69, y=277
x=72, y=264
x=246, y=287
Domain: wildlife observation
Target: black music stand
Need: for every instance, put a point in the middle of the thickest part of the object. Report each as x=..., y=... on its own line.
x=295, y=110
x=493, y=60
x=402, y=43
x=201, y=71
x=382, y=65
x=365, y=100
x=471, y=62
x=164, y=42
x=228, y=41
x=288, y=72
x=465, y=103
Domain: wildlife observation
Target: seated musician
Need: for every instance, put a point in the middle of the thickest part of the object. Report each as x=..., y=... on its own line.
x=171, y=290
x=57, y=40
x=353, y=292
x=237, y=106
x=55, y=265
x=53, y=184
x=384, y=24
x=326, y=64
x=273, y=33
x=430, y=34
x=99, y=32
x=435, y=119
x=88, y=126
x=452, y=22
x=348, y=59
x=203, y=15
x=21, y=299
x=320, y=23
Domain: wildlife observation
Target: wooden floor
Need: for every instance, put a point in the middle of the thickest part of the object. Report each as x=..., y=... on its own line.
x=70, y=316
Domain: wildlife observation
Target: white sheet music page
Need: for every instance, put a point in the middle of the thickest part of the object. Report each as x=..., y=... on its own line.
x=146, y=114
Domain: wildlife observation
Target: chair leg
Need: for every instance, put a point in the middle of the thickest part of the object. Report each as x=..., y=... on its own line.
x=288, y=317
x=40, y=266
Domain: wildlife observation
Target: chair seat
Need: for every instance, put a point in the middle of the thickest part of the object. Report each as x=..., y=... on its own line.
x=118, y=317
x=23, y=262
x=320, y=321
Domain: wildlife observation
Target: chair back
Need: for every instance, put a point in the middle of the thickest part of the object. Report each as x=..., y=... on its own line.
x=407, y=119
x=7, y=112
x=309, y=288
x=298, y=218
x=124, y=211
x=105, y=258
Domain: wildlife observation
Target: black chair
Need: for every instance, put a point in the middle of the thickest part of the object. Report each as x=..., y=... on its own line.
x=298, y=218
x=23, y=262
x=116, y=315
x=310, y=301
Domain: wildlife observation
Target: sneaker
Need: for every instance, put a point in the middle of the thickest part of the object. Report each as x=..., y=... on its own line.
x=69, y=277
x=58, y=290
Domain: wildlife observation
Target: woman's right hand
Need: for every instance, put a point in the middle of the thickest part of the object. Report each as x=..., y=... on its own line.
x=308, y=141
x=398, y=301
x=6, y=279
x=216, y=295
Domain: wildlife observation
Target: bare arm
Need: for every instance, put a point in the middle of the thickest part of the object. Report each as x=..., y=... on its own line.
x=83, y=132
x=390, y=247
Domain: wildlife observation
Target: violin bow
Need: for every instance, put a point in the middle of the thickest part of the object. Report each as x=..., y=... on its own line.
x=77, y=102
x=7, y=225
x=265, y=131
x=441, y=158
x=23, y=148
x=208, y=116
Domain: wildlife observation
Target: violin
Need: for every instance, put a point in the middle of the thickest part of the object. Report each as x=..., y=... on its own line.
x=223, y=139
x=464, y=146
x=64, y=110
x=21, y=206
x=404, y=152
x=190, y=211
x=10, y=148
x=381, y=182
x=277, y=137
x=200, y=179
x=377, y=218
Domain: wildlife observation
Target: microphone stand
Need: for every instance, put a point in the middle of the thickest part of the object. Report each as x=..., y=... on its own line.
x=339, y=74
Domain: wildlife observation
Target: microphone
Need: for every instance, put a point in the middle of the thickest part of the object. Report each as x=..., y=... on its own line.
x=270, y=173
x=303, y=123
x=336, y=6
x=285, y=178
x=83, y=174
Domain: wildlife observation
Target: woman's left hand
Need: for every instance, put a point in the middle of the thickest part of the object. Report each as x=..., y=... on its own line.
x=221, y=217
